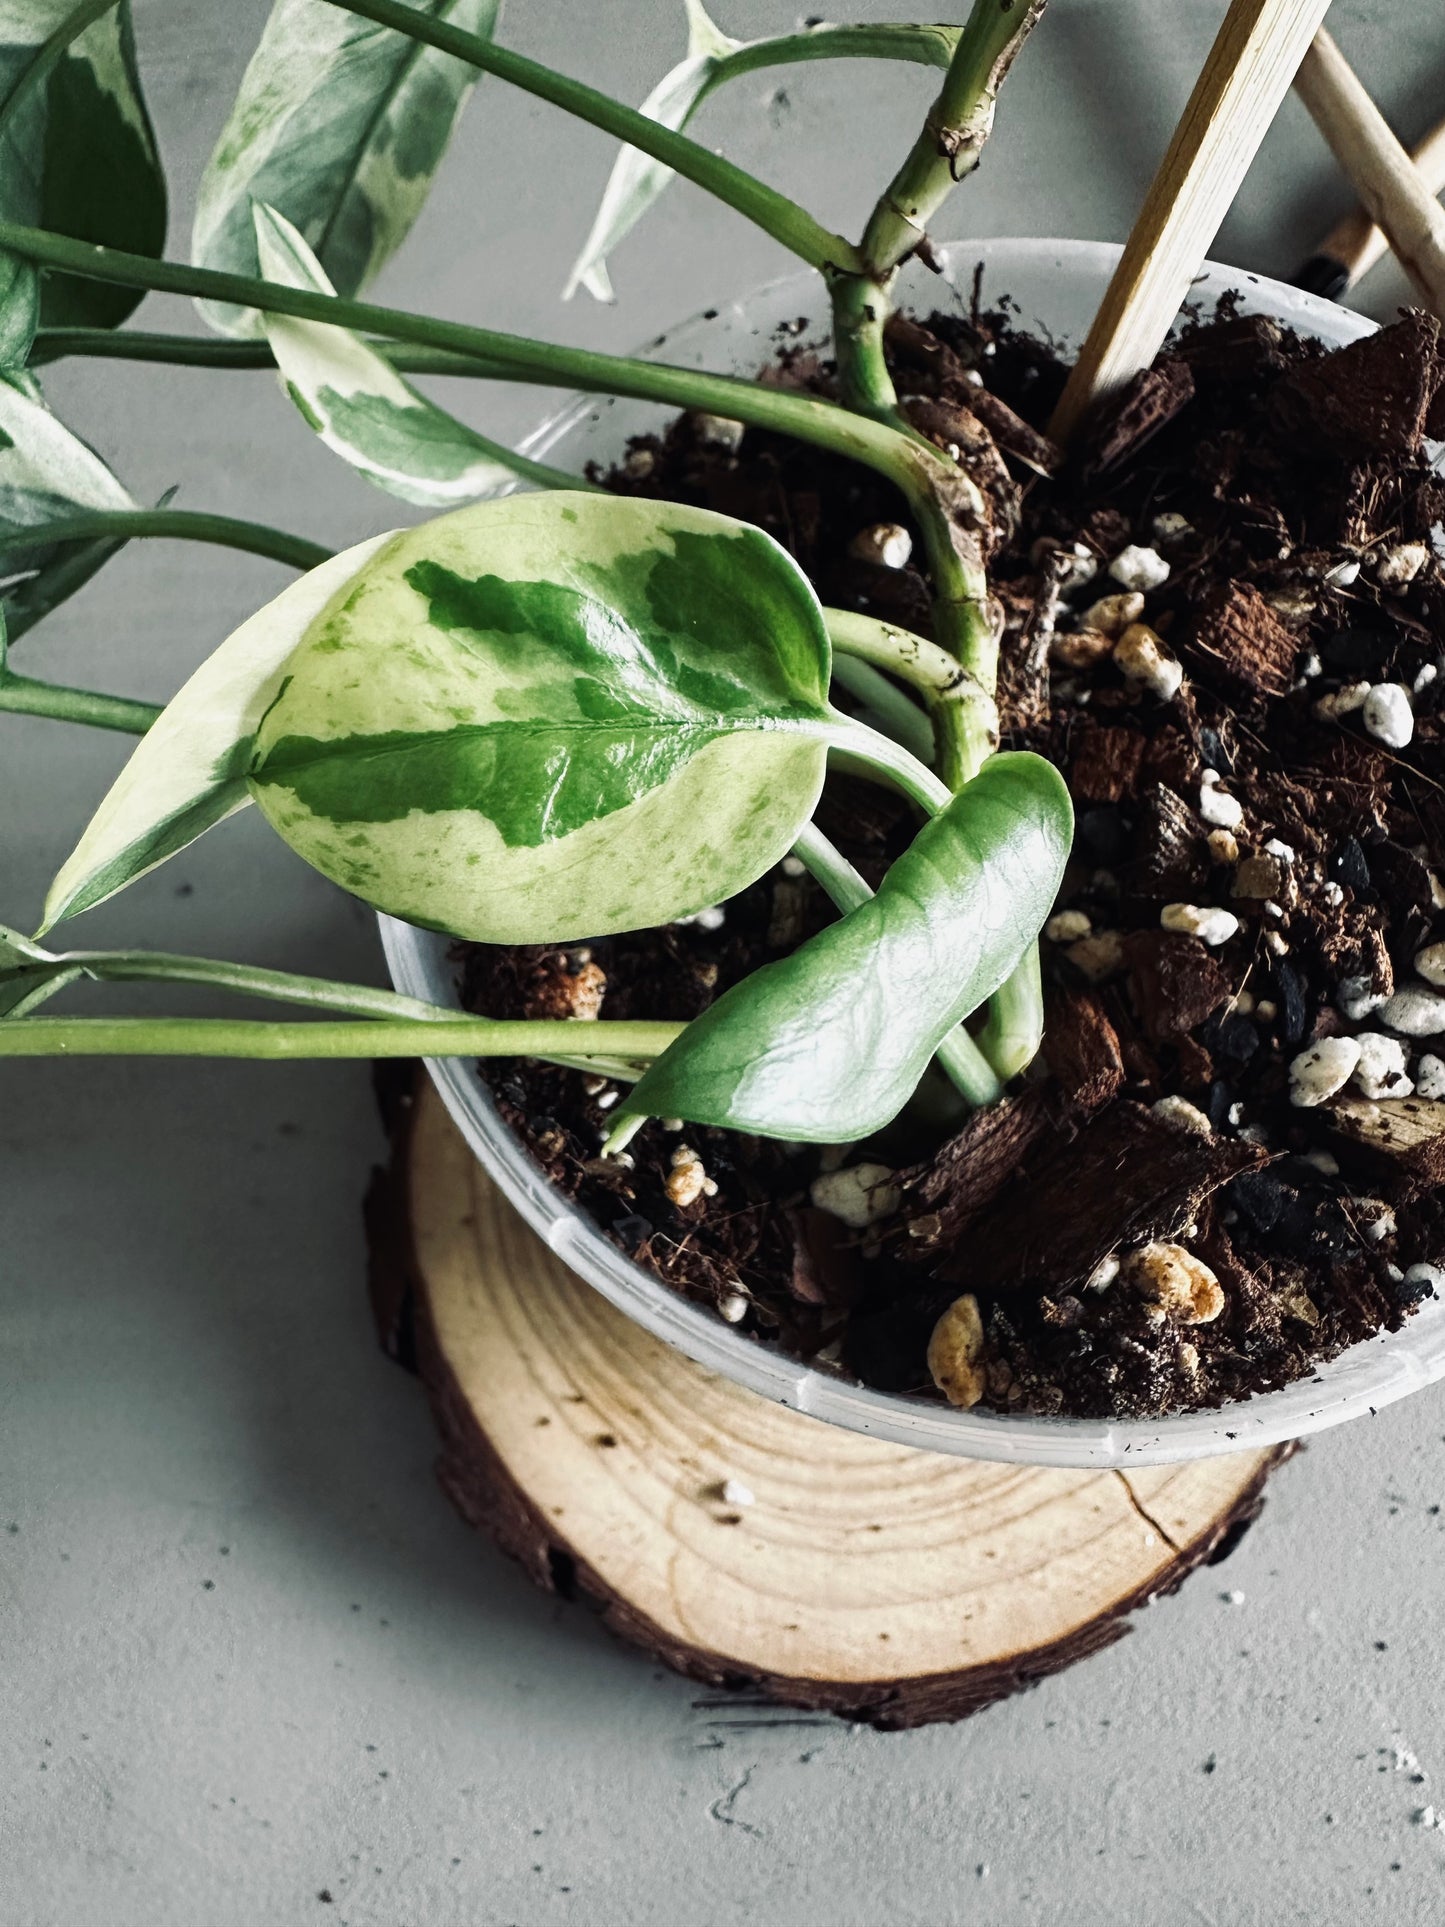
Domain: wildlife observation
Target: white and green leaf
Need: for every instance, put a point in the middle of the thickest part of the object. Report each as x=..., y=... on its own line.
x=828, y=1044
x=363, y=410
x=636, y=180
x=341, y=125
x=189, y=771
x=554, y=716
x=46, y=473
x=78, y=157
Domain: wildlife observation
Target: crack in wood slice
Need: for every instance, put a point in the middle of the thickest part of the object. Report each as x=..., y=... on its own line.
x=848, y=1574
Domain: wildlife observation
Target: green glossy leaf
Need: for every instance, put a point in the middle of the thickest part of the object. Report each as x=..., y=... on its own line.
x=827, y=1045
x=637, y=180
x=78, y=156
x=358, y=404
x=189, y=770
x=554, y=716
x=339, y=124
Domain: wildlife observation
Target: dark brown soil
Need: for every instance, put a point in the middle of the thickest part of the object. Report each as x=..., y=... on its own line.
x=1282, y=469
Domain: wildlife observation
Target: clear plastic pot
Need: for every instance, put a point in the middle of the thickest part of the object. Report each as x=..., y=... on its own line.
x=1055, y=287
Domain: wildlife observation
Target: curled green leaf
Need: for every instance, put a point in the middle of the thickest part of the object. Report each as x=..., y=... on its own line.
x=341, y=125
x=363, y=410
x=189, y=771
x=828, y=1044
x=553, y=716
x=636, y=180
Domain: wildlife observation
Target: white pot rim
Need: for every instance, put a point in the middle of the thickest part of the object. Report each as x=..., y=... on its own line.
x=1067, y=275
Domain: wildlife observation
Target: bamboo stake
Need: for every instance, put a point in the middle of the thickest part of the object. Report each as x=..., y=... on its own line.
x=1354, y=244
x=1394, y=195
x=1248, y=72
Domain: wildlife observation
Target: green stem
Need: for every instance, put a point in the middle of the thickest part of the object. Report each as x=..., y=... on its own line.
x=952, y=138
x=827, y=865
x=573, y=1037
x=927, y=46
x=964, y=713
x=958, y=1055
x=899, y=715
x=855, y=748
x=100, y=524
x=908, y=462
x=1015, y=1028
x=774, y=213
x=861, y=306
x=206, y=351
x=25, y=696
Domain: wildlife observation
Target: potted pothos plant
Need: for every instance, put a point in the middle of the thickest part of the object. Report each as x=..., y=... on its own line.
x=538, y=721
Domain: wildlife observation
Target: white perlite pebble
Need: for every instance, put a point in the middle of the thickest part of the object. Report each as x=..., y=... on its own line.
x=1396, y=567
x=1323, y=1161
x=1275, y=847
x=1172, y=1277
x=734, y=1492
x=1381, y=1069
x=1343, y=575
x=1139, y=569
x=1210, y=925
x=1389, y=715
x=1375, y=1219
x=1430, y=1077
x=794, y=866
x=1170, y=525
x=1143, y=661
x=1218, y=807
x=1223, y=846
x=955, y=1353
x=688, y=1179
x=887, y=543
x=1185, y=1116
x=1342, y=702
x=719, y=431
x=733, y=1307
x=1430, y=962
x=1419, y=1276
x=1317, y=1073
x=1098, y=957
x=1424, y=676
x=1067, y=926
x=1415, y=1013
x=1357, y=997
x=858, y=1195
x=713, y=918
x=1113, y=613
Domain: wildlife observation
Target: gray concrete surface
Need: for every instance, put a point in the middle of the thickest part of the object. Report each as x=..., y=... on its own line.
x=253, y=1668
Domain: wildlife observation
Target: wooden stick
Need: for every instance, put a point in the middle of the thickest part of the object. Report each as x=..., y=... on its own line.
x=1355, y=244
x=1248, y=72
x=1394, y=195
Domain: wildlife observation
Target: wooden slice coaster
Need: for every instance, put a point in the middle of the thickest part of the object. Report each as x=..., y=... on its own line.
x=740, y=1542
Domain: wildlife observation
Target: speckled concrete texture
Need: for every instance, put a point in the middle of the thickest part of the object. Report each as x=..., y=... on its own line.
x=253, y=1668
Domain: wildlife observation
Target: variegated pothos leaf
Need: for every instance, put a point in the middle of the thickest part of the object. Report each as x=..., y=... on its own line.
x=77, y=156
x=358, y=404
x=189, y=769
x=713, y=57
x=46, y=473
x=340, y=124
x=554, y=716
